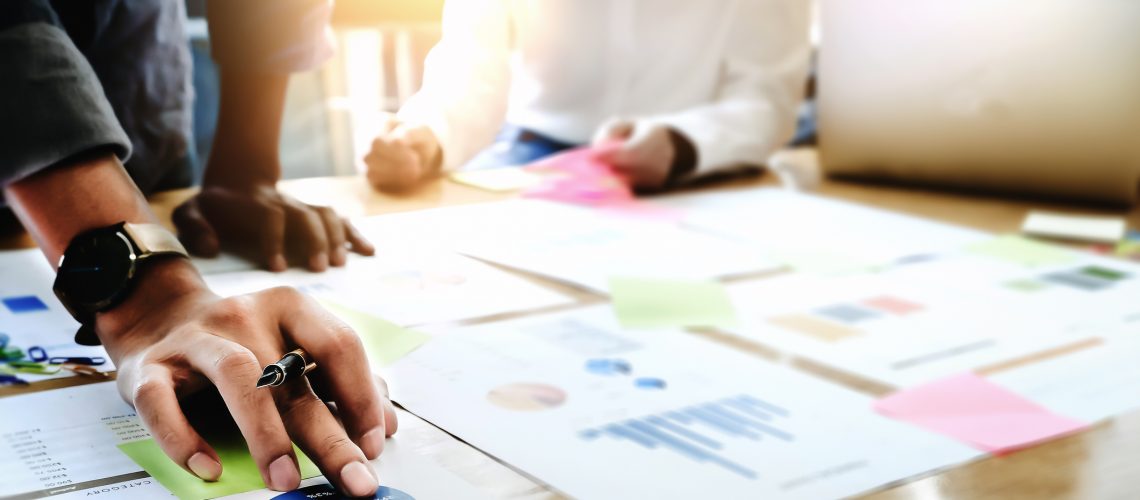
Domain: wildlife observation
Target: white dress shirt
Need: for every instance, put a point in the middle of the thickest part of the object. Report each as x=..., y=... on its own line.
x=728, y=74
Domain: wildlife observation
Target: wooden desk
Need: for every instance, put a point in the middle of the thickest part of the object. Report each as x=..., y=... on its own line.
x=1099, y=463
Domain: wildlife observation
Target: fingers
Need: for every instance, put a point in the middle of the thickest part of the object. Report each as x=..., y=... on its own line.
x=358, y=242
x=391, y=423
x=194, y=231
x=271, y=236
x=616, y=129
x=155, y=400
x=392, y=165
x=336, y=234
x=344, y=368
x=234, y=370
x=317, y=432
x=307, y=232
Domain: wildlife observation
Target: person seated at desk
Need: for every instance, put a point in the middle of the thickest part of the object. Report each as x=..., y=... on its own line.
x=689, y=87
x=87, y=85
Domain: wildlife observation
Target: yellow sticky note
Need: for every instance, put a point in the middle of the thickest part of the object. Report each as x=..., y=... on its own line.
x=671, y=303
x=1022, y=251
x=384, y=342
x=498, y=179
x=239, y=471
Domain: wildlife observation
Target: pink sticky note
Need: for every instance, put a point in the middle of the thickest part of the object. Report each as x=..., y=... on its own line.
x=577, y=176
x=976, y=411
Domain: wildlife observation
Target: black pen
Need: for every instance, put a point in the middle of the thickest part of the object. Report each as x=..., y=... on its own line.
x=293, y=364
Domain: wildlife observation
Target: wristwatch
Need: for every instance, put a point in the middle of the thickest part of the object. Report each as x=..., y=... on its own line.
x=100, y=266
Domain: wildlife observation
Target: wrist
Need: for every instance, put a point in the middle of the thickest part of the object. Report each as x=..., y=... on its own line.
x=159, y=283
x=684, y=157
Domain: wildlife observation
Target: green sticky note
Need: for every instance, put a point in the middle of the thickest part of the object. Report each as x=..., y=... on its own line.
x=239, y=471
x=1021, y=250
x=668, y=303
x=384, y=342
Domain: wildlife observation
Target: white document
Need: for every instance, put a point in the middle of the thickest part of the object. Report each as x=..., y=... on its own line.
x=1075, y=227
x=896, y=331
x=1090, y=385
x=64, y=443
x=817, y=234
x=31, y=315
x=407, y=288
x=597, y=412
x=1079, y=292
x=586, y=248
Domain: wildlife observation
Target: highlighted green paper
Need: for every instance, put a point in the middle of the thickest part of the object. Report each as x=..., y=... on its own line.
x=384, y=342
x=667, y=303
x=239, y=471
x=1022, y=251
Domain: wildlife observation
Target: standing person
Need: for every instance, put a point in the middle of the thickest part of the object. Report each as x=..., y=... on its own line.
x=690, y=87
x=90, y=84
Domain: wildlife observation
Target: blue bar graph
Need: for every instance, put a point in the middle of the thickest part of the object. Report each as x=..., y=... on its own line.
x=700, y=432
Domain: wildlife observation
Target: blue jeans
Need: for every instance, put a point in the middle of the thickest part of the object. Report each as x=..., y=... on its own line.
x=515, y=147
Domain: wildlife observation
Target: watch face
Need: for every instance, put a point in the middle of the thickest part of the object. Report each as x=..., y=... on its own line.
x=96, y=267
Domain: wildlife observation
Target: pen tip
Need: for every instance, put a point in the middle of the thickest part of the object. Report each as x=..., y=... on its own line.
x=266, y=380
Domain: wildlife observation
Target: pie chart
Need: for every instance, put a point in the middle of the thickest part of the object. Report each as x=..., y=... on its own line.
x=526, y=397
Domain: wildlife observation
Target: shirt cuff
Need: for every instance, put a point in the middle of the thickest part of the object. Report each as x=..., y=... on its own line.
x=52, y=103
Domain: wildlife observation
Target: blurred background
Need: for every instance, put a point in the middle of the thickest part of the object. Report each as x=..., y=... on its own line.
x=330, y=113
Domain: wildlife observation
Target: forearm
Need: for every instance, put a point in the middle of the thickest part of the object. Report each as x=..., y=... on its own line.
x=245, y=149
x=84, y=192
x=93, y=191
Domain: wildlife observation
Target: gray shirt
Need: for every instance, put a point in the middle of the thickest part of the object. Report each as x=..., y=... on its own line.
x=80, y=75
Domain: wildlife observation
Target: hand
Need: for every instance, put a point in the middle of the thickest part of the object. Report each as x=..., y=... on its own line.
x=173, y=338
x=645, y=156
x=403, y=156
x=263, y=223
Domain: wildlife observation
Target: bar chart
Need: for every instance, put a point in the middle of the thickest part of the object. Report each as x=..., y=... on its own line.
x=700, y=432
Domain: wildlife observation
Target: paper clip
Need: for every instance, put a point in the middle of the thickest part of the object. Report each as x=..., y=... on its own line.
x=78, y=360
x=12, y=380
x=33, y=368
x=37, y=354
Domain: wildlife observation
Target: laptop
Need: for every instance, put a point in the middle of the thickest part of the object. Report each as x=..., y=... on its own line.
x=1033, y=97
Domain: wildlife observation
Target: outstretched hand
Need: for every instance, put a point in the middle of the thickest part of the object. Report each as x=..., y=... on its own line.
x=270, y=227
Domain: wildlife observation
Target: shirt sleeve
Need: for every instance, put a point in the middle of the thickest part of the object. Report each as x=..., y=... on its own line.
x=51, y=100
x=763, y=72
x=271, y=36
x=463, y=99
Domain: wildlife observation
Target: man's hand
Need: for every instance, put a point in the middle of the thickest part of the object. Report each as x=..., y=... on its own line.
x=172, y=338
x=259, y=221
x=403, y=156
x=648, y=155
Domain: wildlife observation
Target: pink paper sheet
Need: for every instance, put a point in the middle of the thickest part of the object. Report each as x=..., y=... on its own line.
x=578, y=177
x=978, y=412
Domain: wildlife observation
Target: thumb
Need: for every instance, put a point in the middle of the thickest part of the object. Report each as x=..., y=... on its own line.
x=194, y=230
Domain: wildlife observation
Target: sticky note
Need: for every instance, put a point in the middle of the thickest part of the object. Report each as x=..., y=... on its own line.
x=24, y=304
x=976, y=411
x=384, y=342
x=578, y=177
x=239, y=471
x=670, y=303
x=498, y=179
x=1075, y=227
x=1022, y=251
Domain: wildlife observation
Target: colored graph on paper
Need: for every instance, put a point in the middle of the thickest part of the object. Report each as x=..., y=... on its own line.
x=700, y=432
x=840, y=321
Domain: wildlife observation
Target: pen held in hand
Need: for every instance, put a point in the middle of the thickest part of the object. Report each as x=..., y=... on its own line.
x=293, y=365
